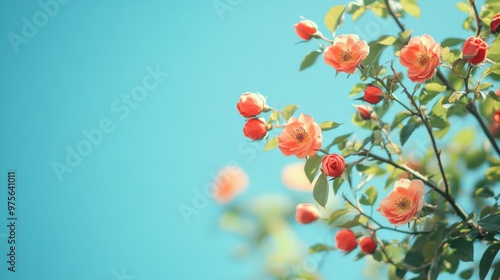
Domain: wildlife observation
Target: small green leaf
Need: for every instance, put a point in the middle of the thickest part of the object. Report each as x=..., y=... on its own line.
x=435, y=87
x=467, y=274
x=311, y=167
x=491, y=222
x=439, y=110
x=405, y=35
x=387, y=40
x=451, y=42
x=336, y=184
x=401, y=116
x=464, y=7
x=320, y=248
x=309, y=59
x=328, y=125
x=369, y=196
x=454, y=97
x=321, y=189
x=288, y=111
x=271, y=144
x=493, y=173
x=333, y=17
x=484, y=192
x=337, y=214
x=411, y=7
x=487, y=260
x=356, y=221
x=406, y=132
x=464, y=249
x=494, y=50
x=274, y=117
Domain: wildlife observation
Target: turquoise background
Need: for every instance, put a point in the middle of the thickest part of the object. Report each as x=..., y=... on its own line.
x=117, y=211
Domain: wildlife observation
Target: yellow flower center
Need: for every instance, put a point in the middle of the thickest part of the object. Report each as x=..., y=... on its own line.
x=403, y=203
x=423, y=59
x=299, y=135
x=345, y=55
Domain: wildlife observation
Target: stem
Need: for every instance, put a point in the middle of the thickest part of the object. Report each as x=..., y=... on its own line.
x=475, y=14
x=471, y=107
x=445, y=81
x=393, y=15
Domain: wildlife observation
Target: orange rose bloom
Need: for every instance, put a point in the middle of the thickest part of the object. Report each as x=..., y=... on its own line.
x=346, y=53
x=301, y=137
x=403, y=202
x=230, y=181
x=422, y=55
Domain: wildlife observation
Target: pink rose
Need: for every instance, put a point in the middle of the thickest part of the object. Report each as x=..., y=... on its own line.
x=346, y=53
x=301, y=137
x=333, y=165
x=251, y=104
x=422, y=55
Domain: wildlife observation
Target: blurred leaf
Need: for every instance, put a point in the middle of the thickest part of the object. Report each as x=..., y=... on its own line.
x=337, y=183
x=375, y=170
x=487, y=259
x=414, y=259
x=405, y=35
x=357, y=89
x=467, y=274
x=437, y=122
x=494, y=50
x=436, y=267
x=311, y=167
x=320, y=248
x=464, y=249
x=493, y=173
x=333, y=17
x=375, y=52
x=337, y=214
x=309, y=59
x=271, y=144
x=458, y=67
x=356, y=221
x=491, y=222
x=406, y=132
x=369, y=196
x=496, y=273
x=328, y=125
x=449, y=42
x=411, y=7
x=401, y=116
x=274, y=116
x=387, y=40
x=321, y=189
x=464, y=7
x=340, y=141
x=288, y=111
x=454, y=97
x=484, y=192
x=451, y=263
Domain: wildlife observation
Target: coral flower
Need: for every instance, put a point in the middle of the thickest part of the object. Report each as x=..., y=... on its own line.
x=422, y=55
x=306, y=29
x=301, y=137
x=230, y=181
x=345, y=240
x=403, y=202
x=474, y=50
x=346, y=53
x=306, y=213
x=294, y=177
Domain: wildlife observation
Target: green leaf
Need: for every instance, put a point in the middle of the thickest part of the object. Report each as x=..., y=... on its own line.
x=375, y=52
x=406, y=132
x=357, y=89
x=271, y=144
x=491, y=222
x=369, y=196
x=437, y=122
x=458, y=67
x=439, y=110
x=333, y=17
x=311, y=167
x=320, y=248
x=401, y=116
x=435, y=87
x=436, y=267
x=405, y=35
x=487, y=260
x=337, y=214
x=494, y=50
x=309, y=59
x=496, y=273
x=321, y=189
x=493, y=173
x=328, y=125
x=411, y=7
x=467, y=274
x=336, y=184
x=356, y=221
x=288, y=111
x=449, y=42
x=387, y=40
x=340, y=141
x=464, y=249
x=274, y=117
x=464, y=7
x=484, y=192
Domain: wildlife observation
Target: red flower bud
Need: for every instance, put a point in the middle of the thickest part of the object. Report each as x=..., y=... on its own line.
x=306, y=29
x=496, y=116
x=255, y=128
x=364, y=111
x=306, y=213
x=367, y=245
x=345, y=240
x=474, y=50
x=333, y=165
x=373, y=94
x=495, y=23
x=251, y=104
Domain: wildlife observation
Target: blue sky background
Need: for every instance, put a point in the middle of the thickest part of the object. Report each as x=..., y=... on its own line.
x=119, y=207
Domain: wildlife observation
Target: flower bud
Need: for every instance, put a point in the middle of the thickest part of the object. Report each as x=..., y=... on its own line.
x=255, y=128
x=251, y=104
x=496, y=116
x=367, y=245
x=306, y=29
x=373, y=94
x=345, y=240
x=495, y=23
x=306, y=213
x=333, y=165
x=364, y=112
x=474, y=50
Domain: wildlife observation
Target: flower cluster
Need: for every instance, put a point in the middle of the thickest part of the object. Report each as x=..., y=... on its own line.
x=250, y=105
x=346, y=241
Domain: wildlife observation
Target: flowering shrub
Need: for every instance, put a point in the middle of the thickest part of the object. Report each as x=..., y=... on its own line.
x=444, y=81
